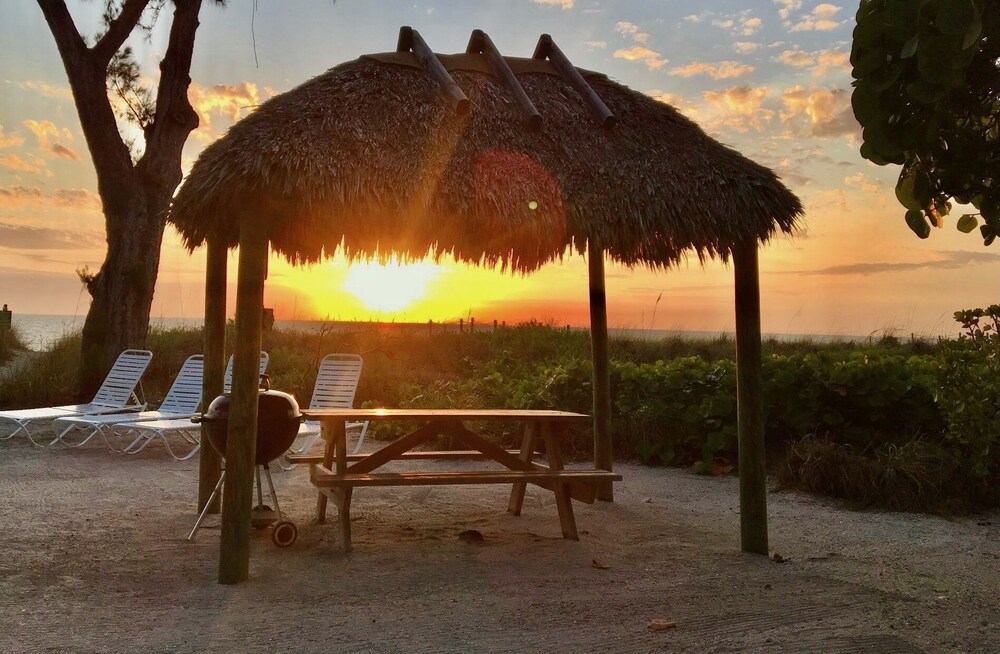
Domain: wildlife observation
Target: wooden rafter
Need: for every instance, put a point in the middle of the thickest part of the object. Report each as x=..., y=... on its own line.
x=547, y=49
x=481, y=43
x=410, y=40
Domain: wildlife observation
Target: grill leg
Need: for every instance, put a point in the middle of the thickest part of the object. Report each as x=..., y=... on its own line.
x=274, y=494
x=211, y=498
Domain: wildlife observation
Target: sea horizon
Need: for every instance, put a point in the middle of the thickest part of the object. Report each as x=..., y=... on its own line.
x=40, y=331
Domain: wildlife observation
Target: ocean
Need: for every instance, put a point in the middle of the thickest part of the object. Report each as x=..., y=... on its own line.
x=40, y=331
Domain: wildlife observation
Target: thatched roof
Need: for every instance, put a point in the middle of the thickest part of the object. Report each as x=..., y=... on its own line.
x=369, y=157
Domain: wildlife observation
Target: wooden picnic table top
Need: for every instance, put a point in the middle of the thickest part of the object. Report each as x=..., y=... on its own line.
x=447, y=414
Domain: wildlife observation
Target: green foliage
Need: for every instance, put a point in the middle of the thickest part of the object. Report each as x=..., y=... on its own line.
x=10, y=344
x=890, y=422
x=926, y=93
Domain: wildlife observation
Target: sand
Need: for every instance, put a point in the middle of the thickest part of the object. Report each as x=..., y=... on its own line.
x=93, y=558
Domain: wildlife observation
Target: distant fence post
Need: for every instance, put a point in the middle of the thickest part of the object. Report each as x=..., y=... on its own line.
x=494, y=325
x=461, y=325
x=472, y=324
x=5, y=318
x=430, y=327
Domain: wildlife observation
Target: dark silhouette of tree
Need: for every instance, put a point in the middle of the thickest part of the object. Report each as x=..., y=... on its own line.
x=926, y=94
x=135, y=180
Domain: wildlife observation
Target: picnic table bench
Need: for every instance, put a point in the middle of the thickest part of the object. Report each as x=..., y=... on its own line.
x=336, y=473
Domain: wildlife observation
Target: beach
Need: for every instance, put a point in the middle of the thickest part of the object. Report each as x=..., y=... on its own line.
x=95, y=560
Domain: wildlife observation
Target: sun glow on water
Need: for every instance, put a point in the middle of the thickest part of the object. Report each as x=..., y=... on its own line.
x=390, y=286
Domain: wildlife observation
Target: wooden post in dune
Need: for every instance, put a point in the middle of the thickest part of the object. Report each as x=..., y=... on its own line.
x=210, y=461
x=602, y=378
x=750, y=401
x=241, y=438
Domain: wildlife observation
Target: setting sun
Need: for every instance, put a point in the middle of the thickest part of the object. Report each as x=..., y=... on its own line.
x=390, y=286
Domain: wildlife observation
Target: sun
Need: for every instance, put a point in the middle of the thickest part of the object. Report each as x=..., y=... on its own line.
x=390, y=286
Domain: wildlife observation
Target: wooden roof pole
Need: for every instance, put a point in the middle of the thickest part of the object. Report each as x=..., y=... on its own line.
x=547, y=49
x=241, y=439
x=410, y=39
x=210, y=461
x=750, y=401
x=482, y=43
x=599, y=355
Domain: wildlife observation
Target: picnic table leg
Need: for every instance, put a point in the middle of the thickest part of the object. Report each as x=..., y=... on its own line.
x=344, y=515
x=527, y=454
x=564, y=503
x=324, y=431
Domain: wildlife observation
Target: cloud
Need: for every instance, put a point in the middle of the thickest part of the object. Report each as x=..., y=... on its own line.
x=595, y=45
x=24, y=237
x=820, y=20
x=743, y=23
x=739, y=108
x=819, y=62
x=626, y=28
x=718, y=70
x=950, y=260
x=745, y=47
x=863, y=182
x=828, y=111
x=49, y=91
x=565, y=4
x=11, y=141
x=73, y=198
x=787, y=7
x=48, y=137
x=224, y=101
x=14, y=162
x=653, y=60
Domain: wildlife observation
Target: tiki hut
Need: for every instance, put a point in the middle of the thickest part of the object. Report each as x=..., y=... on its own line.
x=498, y=161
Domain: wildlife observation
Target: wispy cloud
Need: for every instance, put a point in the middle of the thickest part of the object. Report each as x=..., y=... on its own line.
x=742, y=24
x=626, y=28
x=595, y=45
x=828, y=111
x=50, y=138
x=716, y=70
x=745, y=47
x=11, y=141
x=865, y=183
x=63, y=198
x=787, y=7
x=819, y=63
x=739, y=108
x=565, y=4
x=653, y=60
x=820, y=20
x=49, y=91
x=36, y=166
x=24, y=237
x=949, y=260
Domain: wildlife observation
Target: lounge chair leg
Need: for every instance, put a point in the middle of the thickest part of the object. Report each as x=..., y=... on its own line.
x=211, y=498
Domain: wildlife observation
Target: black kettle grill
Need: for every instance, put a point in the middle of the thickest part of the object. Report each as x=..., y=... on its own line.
x=278, y=420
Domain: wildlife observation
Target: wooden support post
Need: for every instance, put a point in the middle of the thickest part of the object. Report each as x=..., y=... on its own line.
x=547, y=49
x=750, y=401
x=410, y=39
x=210, y=461
x=602, y=378
x=241, y=440
x=481, y=42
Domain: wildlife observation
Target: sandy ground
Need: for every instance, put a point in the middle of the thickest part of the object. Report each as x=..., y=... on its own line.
x=93, y=559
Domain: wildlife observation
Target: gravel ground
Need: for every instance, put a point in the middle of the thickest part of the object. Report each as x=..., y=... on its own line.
x=93, y=558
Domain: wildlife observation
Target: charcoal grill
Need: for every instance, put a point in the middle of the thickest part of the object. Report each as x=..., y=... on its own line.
x=278, y=420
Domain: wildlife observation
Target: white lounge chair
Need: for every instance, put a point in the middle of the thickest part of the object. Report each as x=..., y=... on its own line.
x=146, y=431
x=181, y=401
x=336, y=385
x=116, y=395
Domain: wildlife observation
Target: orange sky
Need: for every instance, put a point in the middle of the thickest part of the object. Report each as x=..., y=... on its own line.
x=768, y=77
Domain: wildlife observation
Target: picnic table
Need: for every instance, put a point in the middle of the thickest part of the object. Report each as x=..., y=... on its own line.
x=336, y=473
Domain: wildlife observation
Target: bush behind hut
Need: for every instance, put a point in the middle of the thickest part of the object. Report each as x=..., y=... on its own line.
x=901, y=424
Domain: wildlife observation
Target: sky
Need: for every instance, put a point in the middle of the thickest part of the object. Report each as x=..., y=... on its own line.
x=770, y=78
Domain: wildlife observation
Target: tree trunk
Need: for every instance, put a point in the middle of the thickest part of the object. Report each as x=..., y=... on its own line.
x=135, y=194
x=122, y=291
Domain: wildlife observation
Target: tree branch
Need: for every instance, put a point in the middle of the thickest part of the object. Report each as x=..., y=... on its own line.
x=61, y=24
x=119, y=29
x=175, y=118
